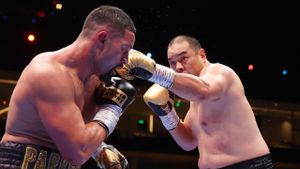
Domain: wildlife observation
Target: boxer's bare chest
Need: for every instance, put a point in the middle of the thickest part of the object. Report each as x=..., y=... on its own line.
x=79, y=91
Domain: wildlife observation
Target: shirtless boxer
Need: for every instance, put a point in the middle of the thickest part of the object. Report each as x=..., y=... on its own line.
x=219, y=122
x=47, y=126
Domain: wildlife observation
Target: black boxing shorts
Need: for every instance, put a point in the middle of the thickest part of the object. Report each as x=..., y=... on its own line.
x=262, y=162
x=22, y=156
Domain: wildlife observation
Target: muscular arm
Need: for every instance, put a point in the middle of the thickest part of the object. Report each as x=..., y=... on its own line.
x=212, y=82
x=210, y=85
x=55, y=100
x=183, y=135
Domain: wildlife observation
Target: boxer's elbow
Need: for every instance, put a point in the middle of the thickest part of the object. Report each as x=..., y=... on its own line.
x=188, y=147
x=76, y=160
x=190, y=144
x=77, y=157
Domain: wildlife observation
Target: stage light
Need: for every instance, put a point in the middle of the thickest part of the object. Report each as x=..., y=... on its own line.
x=284, y=72
x=41, y=14
x=141, y=121
x=141, y=124
x=178, y=103
x=149, y=55
x=250, y=67
x=151, y=121
x=58, y=6
x=31, y=37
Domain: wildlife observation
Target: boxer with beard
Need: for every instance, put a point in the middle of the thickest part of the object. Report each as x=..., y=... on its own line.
x=55, y=119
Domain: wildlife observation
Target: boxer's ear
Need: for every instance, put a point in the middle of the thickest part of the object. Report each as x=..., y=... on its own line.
x=102, y=36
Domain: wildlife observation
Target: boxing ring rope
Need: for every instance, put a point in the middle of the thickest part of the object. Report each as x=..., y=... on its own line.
x=3, y=112
x=5, y=81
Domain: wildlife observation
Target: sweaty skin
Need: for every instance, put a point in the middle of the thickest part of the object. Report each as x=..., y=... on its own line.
x=220, y=121
x=51, y=105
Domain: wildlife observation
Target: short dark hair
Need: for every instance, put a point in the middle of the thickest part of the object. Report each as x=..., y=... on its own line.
x=108, y=15
x=193, y=42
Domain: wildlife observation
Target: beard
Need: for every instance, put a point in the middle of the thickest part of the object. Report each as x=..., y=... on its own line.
x=106, y=78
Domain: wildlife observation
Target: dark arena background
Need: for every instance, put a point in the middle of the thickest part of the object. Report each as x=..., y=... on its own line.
x=259, y=40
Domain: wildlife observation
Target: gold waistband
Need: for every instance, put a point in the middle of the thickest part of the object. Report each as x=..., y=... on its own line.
x=41, y=159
